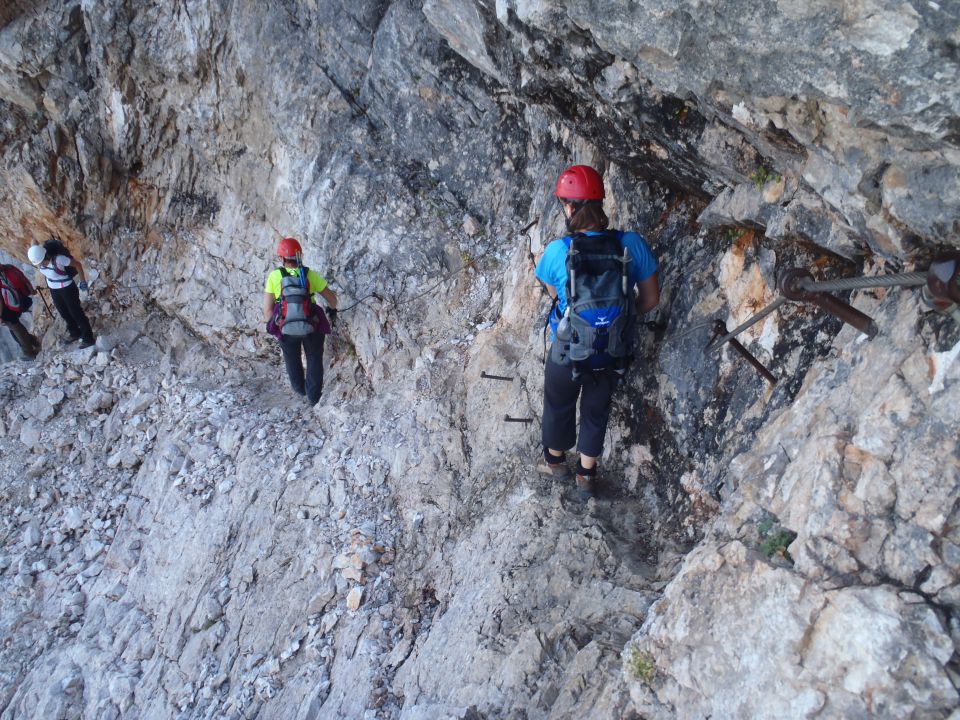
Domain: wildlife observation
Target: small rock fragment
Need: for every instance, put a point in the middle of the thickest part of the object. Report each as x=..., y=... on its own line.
x=354, y=598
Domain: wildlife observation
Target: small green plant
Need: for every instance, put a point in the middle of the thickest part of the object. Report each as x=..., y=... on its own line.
x=731, y=234
x=762, y=175
x=640, y=664
x=774, y=539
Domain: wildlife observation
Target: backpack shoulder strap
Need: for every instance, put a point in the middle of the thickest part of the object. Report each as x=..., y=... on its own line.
x=571, y=264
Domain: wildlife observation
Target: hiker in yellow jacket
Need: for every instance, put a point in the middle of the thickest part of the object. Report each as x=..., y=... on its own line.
x=296, y=321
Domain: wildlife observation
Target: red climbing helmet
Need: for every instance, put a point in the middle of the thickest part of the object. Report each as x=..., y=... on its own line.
x=580, y=182
x=288, y=248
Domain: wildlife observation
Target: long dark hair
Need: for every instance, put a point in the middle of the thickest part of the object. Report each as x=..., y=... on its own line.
x=589, y=215
x=55, y=247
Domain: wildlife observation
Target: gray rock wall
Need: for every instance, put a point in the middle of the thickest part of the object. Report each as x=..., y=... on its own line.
x=182, y=539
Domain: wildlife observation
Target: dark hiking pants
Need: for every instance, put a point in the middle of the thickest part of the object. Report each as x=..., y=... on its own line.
x=67, y=301
x=27, y=342
x=594, y=389
x=310, y=384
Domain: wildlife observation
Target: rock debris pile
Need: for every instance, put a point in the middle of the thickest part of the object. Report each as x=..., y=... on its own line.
x=184, y=546
x=108, y=457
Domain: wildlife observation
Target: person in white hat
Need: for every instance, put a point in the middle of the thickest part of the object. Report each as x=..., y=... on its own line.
x=59, y=268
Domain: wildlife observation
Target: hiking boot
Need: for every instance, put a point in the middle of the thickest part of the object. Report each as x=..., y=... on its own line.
x=67, y=339
x=557, y=470
x=586, y=486
x=86, y=343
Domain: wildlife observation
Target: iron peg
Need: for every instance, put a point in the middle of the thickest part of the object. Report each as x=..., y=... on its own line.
x=791, y=286
x=720, y=328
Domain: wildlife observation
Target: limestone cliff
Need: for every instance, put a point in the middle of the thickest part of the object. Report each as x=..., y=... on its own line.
x=183, y=539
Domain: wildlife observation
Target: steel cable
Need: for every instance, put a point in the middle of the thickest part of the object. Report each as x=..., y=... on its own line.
x=911, y=279
x=768, y=310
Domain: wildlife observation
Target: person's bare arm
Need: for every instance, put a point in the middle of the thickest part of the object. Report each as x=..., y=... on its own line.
x=648, y=294
x=80, y=273
x=330, y=296
x=268, y=303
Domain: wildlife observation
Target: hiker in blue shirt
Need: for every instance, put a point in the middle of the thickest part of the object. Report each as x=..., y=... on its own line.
x=614, y=281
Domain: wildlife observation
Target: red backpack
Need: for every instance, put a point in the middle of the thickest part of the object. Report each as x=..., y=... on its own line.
x=15, y=289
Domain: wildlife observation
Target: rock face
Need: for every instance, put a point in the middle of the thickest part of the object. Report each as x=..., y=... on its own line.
x=184, y=538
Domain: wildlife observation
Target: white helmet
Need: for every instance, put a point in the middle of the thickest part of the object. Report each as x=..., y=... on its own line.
x=36, y=254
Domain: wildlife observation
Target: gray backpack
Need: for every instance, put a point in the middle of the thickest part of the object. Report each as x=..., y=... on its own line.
x=297, y=313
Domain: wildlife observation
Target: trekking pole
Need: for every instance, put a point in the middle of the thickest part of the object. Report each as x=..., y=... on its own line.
x=45, y=303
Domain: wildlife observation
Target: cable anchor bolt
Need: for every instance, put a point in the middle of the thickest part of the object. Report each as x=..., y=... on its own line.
x=720, y=329
x=792, y=284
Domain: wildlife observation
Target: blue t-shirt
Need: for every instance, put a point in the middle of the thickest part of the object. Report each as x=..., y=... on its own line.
x=552, y=268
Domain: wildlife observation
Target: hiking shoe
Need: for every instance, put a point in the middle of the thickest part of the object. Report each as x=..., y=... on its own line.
x=86, y=343
x=557, y=470
x=586, y=486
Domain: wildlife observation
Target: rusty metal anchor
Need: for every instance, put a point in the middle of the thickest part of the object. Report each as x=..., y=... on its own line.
x=792, y=285
x=720, y=329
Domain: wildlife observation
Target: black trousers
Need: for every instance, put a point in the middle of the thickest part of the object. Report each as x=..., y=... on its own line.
x=594, y=390
x=311, y=345
x=67, y=300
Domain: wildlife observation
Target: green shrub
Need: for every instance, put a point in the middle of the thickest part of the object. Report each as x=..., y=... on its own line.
x=640, y=664
x=731, y=234
x=761, y=176
x=775, y=539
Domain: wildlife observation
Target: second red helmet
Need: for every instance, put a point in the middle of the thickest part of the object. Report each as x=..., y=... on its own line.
x=288, y=248
x=580, y=182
